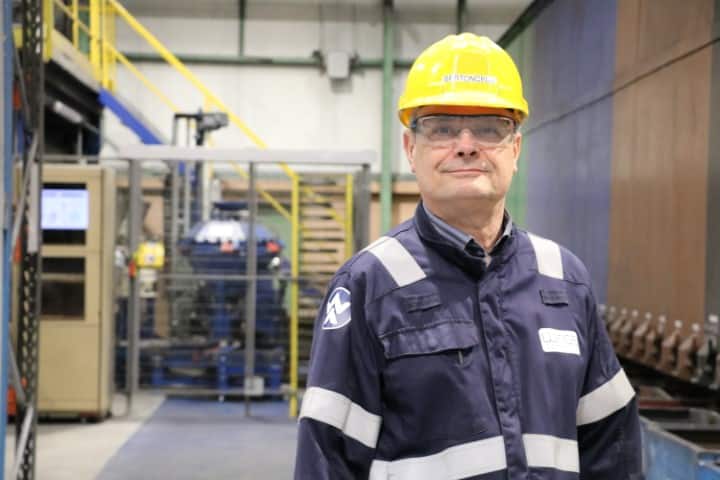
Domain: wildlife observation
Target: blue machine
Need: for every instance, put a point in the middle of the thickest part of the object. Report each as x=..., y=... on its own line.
x=206, y=346
x=218, y=247
x=681, y=444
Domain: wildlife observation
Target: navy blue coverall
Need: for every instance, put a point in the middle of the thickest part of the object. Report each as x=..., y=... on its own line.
x=429, y=364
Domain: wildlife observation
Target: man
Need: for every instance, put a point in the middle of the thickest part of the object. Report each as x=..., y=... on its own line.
x=458, y=345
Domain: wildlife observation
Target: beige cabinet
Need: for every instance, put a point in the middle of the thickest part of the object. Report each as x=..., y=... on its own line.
x=76, y=322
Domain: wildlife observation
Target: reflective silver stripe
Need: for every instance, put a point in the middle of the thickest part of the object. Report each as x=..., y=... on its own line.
x=339, y=411
x=605, y=400
x=551, y=452
x=460, y=461
x=547, y=253
x=397, y=260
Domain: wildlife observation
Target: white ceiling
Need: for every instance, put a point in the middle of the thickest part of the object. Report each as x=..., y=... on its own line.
x=224, y=8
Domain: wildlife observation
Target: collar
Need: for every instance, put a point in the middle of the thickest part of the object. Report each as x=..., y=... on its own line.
x=464, y=241
x=455, y=251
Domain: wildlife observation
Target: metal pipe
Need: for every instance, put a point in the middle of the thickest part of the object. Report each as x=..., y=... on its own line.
x=133, y=330
x=387, y=117
x=32, y=234
x=526, y=18
x=15, y=235
x=16, y=378
x=250, y=292
x=242, y=6
x=6, y=76
x=226, y=60
x=79, y=141
x=22, y=442
x=461, y=16
x=362, y=208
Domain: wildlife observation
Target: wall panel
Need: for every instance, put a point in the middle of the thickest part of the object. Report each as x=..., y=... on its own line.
x=568, y=136
x=660, y=159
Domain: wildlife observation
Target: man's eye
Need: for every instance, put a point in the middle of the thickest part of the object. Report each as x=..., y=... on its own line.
x=442, y=130
x=489, y=133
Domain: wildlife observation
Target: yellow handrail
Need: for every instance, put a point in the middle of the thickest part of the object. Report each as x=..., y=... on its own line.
x=151, y=86
x=110, y=54
x=96, y=39
x=271, y=200
x=75, y=27
x=210, y=97
x=47, y=27
x=123, y=59
x=184, y=71
x=294, y=292
x=349, y=215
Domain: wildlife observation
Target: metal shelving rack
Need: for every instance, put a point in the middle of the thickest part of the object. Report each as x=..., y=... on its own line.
x=31, y=71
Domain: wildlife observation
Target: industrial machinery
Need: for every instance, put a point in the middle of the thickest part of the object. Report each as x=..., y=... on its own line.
x=218, y=247
x=78, y=234
x=205, y=345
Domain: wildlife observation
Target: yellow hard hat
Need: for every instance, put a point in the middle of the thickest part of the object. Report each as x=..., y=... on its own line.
x=463, y=70
x=150, y=255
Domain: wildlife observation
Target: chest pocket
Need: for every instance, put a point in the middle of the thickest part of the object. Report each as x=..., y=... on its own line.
x=435, y=375
x=428, y=327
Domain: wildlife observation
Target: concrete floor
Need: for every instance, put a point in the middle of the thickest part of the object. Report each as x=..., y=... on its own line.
x=81, y=451
x=191, y=439
x=74, y=450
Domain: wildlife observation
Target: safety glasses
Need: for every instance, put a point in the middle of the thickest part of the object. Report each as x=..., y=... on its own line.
x=491, y=131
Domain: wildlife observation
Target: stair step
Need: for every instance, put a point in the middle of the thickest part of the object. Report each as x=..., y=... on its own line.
x=320, y=245
x=308, y=312
x=312, y=269
x=329, y=236
x=318, y=280
x=335, y=261
x=325, y=185
x=315, y=201
x=310, y=301
x=321, y=257
x=310, y=209
x=304, y=216
x=326, y=224
x=321, y=264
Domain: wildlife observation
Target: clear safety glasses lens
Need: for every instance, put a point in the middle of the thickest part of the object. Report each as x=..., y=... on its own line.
x=490, y=130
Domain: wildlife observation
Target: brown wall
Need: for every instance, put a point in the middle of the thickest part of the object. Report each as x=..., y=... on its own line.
x=660, y=157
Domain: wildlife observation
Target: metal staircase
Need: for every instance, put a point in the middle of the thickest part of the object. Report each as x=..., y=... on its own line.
x=324, y=247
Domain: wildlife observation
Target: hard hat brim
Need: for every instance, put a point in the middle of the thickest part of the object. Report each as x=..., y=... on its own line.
x=462, y=99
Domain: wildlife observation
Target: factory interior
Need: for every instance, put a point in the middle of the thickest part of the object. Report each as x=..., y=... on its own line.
x=182, y=179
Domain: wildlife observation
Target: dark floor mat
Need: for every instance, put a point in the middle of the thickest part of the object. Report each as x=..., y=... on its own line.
x=204, y=440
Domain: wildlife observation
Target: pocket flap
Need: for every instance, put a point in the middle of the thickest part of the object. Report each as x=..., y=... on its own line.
x=554, y=297
x=414, y=303
x=432, y=338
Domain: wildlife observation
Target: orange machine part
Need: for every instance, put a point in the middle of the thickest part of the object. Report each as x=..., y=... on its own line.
x=11, y=405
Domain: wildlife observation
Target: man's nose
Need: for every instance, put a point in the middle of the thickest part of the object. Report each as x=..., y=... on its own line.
x=466, y=145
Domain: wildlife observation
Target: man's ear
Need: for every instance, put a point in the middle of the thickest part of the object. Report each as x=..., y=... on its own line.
x=517, y=148
x=409, y=147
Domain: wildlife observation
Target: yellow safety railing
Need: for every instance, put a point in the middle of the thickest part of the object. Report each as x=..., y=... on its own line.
x=94, y=22
x=349, y=240
x=294, y=291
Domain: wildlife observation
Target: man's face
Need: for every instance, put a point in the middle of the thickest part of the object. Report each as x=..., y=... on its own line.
x=460, y=168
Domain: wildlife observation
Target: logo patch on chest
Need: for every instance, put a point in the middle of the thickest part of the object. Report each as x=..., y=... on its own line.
x=560, y=341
